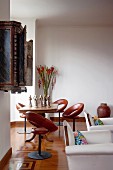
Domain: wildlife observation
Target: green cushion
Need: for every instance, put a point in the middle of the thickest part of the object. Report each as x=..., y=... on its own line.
x=98, y=122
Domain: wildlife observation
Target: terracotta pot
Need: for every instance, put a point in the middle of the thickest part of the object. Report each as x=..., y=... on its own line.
x=103, y=110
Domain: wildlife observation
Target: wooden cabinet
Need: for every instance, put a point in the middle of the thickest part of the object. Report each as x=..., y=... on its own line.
x=16, y=56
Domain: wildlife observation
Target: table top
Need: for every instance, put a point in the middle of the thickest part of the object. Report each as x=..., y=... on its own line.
x=39, y=109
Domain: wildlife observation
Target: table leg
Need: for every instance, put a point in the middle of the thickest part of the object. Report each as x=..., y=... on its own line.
x=24, y=131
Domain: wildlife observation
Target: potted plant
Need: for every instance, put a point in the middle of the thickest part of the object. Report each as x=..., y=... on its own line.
x=46, y=78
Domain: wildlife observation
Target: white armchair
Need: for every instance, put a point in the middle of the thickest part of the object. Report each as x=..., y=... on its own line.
x=108, y=123
x=97, y=154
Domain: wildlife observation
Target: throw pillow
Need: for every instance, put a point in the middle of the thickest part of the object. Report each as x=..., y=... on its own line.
x=97, y=121
x=79, y=138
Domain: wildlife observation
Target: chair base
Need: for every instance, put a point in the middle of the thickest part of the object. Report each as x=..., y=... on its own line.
x=36, y=155
x=24, y=132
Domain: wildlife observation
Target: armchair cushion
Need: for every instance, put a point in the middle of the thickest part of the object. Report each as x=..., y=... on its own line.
x=95, y=149
x=98, y=136
x=79, y=138
x=107, y=121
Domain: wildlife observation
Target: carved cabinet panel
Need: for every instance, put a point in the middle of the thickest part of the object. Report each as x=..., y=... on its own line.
x=15, y=58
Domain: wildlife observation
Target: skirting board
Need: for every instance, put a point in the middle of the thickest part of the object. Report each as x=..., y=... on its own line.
x=54, y=119
x=78, y=119
x=5, y=159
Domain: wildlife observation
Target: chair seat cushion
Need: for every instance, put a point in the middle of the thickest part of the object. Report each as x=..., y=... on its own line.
x=39, y=131
x=79, y=138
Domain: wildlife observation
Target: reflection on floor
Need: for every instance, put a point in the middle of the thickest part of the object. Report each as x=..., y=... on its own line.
x=20, y=164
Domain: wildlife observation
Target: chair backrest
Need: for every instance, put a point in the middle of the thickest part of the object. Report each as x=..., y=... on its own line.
x=74, y=110
x=40, y=121
x=62, y=103
x=89, y=120
x=68, y=134
x=19, y=105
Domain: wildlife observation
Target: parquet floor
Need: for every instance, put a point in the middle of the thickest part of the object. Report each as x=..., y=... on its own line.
x=20, y=160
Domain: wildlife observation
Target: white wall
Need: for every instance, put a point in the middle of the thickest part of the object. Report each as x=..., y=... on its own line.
x=24, y=97
x=4, y=123
x=4, y=10
x=4, y=97
x=84, y=58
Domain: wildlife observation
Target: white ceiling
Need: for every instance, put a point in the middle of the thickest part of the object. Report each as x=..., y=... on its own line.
x=71, y=12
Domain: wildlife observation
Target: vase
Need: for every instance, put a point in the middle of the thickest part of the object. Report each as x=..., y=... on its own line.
x=45, y=91
x=45, y=101
x=103, y=110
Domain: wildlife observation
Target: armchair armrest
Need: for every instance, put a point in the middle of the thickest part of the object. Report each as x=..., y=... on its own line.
x=95, y=149
x=107, y=121
x=98, y=136
x=101, y=127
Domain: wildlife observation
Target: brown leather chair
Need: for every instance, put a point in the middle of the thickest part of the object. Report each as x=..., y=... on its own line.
x=43, y=126
x=73, y=112
x=63, y=104
x=18, y=106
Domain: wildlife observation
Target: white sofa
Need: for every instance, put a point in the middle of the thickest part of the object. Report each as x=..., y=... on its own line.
x=108, y=123
x=97, y=154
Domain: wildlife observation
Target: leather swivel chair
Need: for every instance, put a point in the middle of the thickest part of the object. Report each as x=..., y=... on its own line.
x=73, y=112
x=63, y=104
x=18, y=106
x=43, y=126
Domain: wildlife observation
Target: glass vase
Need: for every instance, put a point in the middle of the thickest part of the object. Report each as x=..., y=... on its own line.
x=45, y=96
